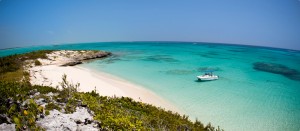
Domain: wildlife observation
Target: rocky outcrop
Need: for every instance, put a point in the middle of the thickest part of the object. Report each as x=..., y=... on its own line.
x=7, y=127
x=78, y=120
x=79, y=56
x=95, y=55
x=4, y=119
x=65, y=57
x=72, y=63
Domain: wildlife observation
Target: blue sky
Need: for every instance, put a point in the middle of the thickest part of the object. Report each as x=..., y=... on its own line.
x=274, y=23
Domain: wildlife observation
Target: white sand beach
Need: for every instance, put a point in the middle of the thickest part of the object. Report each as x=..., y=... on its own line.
x=50, y=73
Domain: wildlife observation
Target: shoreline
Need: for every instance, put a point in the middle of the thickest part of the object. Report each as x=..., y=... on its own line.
x=105, y=84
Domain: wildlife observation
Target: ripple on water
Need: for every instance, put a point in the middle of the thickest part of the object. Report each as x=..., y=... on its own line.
x=179, y=72
x=160, y=58
x=110, y=60
x=213, y=55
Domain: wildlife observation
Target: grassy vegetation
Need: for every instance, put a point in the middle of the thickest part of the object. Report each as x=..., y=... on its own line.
x=51, y=106
x=113, y=113
x=14, y=62
x=12, y=76
x=11, y=67
x=126, y=114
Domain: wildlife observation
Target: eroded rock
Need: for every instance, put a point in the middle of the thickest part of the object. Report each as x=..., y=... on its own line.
x=40, y=101
x=7, y=127
x=78, y=59
x=4, y=119
x=72, y=63
x=80, y=119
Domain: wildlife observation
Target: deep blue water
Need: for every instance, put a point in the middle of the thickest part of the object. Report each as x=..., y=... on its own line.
x=247, y=96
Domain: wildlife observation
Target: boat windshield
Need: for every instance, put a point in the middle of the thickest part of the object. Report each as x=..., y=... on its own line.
x=207, y=73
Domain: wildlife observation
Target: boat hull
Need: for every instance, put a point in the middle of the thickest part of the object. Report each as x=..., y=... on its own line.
x=207, y=78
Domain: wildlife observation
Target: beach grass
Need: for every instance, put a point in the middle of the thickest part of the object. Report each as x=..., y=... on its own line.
x=12, y=76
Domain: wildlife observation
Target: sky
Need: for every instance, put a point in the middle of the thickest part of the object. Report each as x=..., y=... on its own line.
x=272, y=23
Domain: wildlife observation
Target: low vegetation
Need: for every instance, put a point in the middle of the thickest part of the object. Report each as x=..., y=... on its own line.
x=37, y=63
x=11, y=67
x=18, y=104
x=113, y=113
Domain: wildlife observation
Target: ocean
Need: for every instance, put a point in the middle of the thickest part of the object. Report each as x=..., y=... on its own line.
x=258, y=87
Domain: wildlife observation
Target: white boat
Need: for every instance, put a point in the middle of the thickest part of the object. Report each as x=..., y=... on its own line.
x=208, y=77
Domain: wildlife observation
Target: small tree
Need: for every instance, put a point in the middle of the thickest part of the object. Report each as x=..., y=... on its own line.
x=68, y=87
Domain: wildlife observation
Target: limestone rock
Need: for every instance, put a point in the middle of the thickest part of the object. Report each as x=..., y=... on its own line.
x=60, y=121
x=72, y=63
x=7, y=127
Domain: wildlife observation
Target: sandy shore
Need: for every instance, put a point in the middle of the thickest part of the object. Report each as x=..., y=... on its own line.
x=105, y=84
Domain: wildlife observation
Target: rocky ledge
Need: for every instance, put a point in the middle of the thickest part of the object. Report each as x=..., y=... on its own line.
x=80, y=56
x=68, y=57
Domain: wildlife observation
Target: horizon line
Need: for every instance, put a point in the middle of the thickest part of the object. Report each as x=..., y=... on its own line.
x=219, y=43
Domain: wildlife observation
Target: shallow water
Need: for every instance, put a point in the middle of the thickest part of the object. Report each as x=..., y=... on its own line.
x=242, y=99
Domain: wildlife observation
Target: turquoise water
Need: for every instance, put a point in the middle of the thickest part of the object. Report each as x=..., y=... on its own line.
x=243, y=98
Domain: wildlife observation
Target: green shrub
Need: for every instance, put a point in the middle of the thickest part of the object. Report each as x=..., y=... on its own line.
x=37, y=63
x=26, y=73
x=9, y=65
x=51, y=106
x=47, y=112
x=126, y=114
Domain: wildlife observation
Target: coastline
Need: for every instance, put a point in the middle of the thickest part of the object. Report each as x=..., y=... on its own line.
x=217, y=102
x=102, y=102
x=105, y=84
